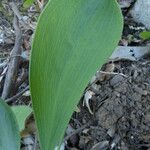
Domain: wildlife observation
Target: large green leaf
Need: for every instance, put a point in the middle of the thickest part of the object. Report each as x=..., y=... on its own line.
x=9, y=131
x=72, y=41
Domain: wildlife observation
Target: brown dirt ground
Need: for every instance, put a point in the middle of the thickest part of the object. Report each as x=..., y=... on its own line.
x=121, y=110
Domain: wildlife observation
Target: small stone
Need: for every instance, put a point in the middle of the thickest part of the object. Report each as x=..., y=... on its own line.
x=140, y=91
x=25, y=18
x=111, y=131
x=28, y=140
x=125, y=3
x=116, y=79
x=141, y=12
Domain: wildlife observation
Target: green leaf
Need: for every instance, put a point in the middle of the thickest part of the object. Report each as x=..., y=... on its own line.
x=9, y=131
x=72, y=41
x=21, y=113
x=145, y=35
x=28, y=3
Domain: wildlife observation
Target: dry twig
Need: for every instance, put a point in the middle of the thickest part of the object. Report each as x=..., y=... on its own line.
x=13, y=65
x=17, y=95
x=15, y=10
x=114, y=73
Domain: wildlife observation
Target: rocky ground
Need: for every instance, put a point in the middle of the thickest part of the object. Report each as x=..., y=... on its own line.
x=119, y=115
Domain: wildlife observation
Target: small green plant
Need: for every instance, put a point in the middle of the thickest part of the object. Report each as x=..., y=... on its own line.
x=28, y=3
x=145, y=35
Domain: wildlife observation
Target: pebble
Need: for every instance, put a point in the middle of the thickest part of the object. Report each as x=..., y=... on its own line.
x=28, y=140
x=141, y=12
x=140, y=90
x=125, y=3
x=116, y=79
